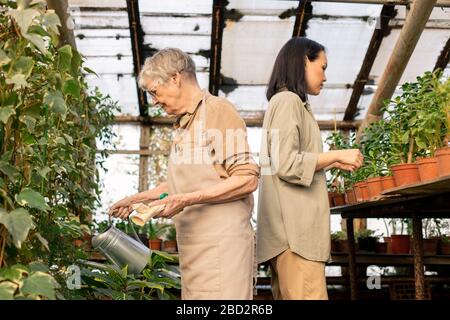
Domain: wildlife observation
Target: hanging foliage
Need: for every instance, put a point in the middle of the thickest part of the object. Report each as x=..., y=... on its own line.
x=49, y=123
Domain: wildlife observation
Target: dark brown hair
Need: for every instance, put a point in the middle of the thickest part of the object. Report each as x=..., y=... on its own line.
x=289, y=68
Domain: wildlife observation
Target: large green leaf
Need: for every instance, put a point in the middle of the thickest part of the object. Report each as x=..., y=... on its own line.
x=51, y=21
x=24, y=18
x=24, y=65
x=4, y=59
x=5, y=113
x=7, y=290
x=18, y=223
x=72, y=87
x=9, y=170
x=18, y=80
x=37, y=40
x=29, y=122
x=31, y=198
x=56, y=102
x=65, y=58
x=40, y=284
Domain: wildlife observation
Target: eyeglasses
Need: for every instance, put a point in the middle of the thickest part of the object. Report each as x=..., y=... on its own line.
x=152, y=91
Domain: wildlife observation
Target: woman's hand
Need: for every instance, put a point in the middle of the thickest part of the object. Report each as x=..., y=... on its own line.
x=122, y=208
x=173, y=205
x=351, y=157
x=343, y=166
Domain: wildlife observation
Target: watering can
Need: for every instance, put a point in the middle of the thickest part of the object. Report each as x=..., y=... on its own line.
x=121, y=249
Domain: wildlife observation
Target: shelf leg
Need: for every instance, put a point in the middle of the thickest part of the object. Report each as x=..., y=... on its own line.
x=417, y=248
x=352, y=260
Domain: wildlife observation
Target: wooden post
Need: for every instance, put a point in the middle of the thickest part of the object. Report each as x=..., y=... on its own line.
x=66, y=35
x=352, y=260
x=417, y=247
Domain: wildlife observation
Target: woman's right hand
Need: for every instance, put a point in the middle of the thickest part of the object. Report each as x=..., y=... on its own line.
x=351, y=157
x=122, y=208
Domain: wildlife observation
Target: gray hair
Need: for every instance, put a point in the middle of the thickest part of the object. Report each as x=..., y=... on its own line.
x=165, y=64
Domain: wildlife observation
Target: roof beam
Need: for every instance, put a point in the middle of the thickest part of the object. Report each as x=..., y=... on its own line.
x=387, y=13
x=404, y=47
x=66, y=35
x=302, y=14
x=218, y=24
x=249, y=121
x=137, y=40
x=438, y=3
x=444, y=57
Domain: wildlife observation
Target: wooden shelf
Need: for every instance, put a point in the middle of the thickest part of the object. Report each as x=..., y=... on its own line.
x=441, y=184
x=387, y=259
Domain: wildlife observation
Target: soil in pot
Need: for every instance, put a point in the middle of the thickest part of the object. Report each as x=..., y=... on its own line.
x=443, y=159
x=400, y=243
x=428, y=169
x=405, y=173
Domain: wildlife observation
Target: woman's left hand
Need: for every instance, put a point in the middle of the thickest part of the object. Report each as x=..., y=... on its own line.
x=173, y=205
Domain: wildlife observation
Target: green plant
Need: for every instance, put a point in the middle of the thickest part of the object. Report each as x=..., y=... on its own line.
x=49, y=123
x=155, y=230
x=364, y=233
x=171, y=233
x=159, y=280
x=338, y=235
x=445, y=239
x=27, y=282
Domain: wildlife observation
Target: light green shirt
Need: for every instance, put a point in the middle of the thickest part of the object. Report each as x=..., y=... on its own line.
x=293, y=210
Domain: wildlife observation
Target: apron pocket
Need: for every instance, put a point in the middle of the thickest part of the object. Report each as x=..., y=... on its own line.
x=199, y=263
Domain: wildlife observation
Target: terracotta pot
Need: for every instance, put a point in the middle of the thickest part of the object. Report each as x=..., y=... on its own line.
x=350, y=196
x=170, y=246
x=405, y=174
x=381, y=247
x=374, y=187
x=400, y=243
x=428, y=169
x=443, y=159
x=358, y=192
x=330, y=199
x=155, y=244
x=430, y=246
x=387, y=182
x=445, y=248
x=339, y=199
x=387, y=240
x=364, y=191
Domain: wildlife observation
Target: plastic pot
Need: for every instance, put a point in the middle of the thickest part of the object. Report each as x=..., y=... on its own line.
x=405, y=174
x=428, y=168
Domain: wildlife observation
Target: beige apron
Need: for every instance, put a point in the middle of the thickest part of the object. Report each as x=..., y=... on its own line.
x=215, y=241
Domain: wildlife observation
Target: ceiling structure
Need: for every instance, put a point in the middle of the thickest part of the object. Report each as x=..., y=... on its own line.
x=234, y=44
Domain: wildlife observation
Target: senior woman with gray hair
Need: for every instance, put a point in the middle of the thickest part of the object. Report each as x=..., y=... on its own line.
x=211, y=177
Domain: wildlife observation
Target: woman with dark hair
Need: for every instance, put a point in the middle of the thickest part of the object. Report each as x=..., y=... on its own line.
x=293, y=230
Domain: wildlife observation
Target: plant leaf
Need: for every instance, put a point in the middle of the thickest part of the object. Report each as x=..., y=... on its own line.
x=56, y=102
x=32, y=198
x=5, y=113
x=24, y=18
x=43, y=241
x=37, y=40
x=18, y=80
x=4, y=59
x=7, y=290
x=41, y=284
x=65, y=58
x=18, y=223
x=9, y=170
x=29, y=122
x=72, y=87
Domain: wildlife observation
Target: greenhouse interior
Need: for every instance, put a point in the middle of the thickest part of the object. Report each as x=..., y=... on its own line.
x=92, y=108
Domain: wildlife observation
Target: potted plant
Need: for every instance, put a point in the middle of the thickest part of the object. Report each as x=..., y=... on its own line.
x=400, y=242
x=430, y=122
x=445, y=245
x=443, y=154
x=170, y=239
x=366, y=241
x=339, y=241
x=155, y=231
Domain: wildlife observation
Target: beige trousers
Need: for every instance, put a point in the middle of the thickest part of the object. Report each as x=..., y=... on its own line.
x=295, y=278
